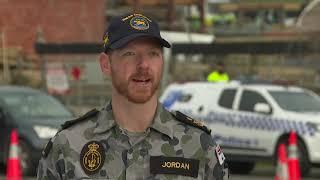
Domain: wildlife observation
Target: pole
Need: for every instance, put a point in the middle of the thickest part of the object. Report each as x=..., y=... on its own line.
x=165, y=77
x=187, y=22
x=6, y=70
x=202, y=15
x=171, y=14
x=3, y=58
x=44, y=69
x=80, y=101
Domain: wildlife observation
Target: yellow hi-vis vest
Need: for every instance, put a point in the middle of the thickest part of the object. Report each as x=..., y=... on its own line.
x=215, y=76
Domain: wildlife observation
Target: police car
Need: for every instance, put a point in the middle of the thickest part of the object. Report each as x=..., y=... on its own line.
x=251, y=120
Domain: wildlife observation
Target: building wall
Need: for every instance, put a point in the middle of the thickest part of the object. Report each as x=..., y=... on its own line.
x=53, y=21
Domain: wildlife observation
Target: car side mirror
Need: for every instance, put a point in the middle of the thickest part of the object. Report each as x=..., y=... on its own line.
x=262, y=108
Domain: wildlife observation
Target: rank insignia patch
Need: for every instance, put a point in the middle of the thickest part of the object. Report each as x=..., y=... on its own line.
x=92, y=157
x=188, y=120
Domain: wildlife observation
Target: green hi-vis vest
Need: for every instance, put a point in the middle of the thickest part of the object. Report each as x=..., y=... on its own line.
x=215, y=76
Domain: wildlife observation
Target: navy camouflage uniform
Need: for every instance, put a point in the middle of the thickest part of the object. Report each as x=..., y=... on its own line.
x=95, y=147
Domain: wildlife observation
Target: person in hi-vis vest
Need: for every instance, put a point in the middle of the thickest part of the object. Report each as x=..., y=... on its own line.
x=218, y=75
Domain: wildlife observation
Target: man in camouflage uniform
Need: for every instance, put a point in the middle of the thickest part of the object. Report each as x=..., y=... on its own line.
x=133, y=137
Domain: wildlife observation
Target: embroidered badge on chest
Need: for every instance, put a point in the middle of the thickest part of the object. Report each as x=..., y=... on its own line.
x=92, y=157
x=174, y=165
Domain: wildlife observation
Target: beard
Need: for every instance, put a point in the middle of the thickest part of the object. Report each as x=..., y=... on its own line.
x=134, y=89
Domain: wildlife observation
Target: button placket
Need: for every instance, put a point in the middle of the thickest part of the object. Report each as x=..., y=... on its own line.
x=129, y=154
x=139, y=154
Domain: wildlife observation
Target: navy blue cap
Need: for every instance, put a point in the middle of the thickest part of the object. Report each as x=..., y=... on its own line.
x=123, y=29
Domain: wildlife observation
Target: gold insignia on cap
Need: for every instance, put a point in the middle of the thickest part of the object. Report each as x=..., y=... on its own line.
x=92, y=157
x=128, y=17
x=105, y=39
x=139, y=23
x=135, y=14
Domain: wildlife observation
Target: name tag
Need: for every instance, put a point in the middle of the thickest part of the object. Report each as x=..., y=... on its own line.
x=174, y=165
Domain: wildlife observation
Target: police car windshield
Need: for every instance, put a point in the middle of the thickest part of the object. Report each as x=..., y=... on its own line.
x=296, y=101
x=34, y=105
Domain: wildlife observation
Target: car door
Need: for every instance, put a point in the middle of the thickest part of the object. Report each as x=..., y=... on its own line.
x=225, y=132
x=4, y=134
x=256, y=127
x=228, y=125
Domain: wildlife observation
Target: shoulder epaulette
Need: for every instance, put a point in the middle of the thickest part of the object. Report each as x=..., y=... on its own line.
x=89, y=114
x=47, y=149
x=188, y=120
x=67, y=124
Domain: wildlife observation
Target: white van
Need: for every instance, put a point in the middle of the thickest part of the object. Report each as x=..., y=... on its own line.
x=249, y=121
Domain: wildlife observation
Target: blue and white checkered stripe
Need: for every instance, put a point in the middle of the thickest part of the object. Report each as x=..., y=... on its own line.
x=260, y=122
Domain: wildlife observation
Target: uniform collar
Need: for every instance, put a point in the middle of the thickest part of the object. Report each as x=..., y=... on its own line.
x=105, y=120
x=163, y=121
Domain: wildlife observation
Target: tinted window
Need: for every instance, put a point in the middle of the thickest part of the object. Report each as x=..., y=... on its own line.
x=33, y=105
x=227, y=97
x=249, y=99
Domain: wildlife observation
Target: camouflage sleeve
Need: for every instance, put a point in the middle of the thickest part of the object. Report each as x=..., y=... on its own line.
x=216, y=167
x=50, y=166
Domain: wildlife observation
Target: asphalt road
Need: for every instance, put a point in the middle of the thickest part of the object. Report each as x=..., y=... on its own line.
x=261, y=172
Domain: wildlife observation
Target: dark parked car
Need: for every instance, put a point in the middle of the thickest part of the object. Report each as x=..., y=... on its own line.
x=36, y=116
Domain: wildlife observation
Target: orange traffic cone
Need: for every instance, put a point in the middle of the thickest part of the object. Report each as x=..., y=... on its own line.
x=13, y=163
x=282, y=166
x=293, y=162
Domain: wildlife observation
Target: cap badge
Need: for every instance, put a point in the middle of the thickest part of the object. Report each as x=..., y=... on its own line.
x=92, y=157
x=139, y=23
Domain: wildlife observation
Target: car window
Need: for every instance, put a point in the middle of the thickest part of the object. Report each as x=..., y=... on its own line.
x=33, y=105
x=296, y=101
x=249, y=99
x=184, y=98
x=227, y=97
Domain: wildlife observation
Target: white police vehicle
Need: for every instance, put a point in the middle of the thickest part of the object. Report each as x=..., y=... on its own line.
x=250, y=121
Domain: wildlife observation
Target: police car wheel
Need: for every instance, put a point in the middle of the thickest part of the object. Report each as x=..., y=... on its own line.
x=27, y=167
x=241, y=167
x=2, y=168
x=305, y=165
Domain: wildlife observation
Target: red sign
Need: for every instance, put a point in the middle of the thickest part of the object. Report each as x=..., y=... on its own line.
x=76, y=72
